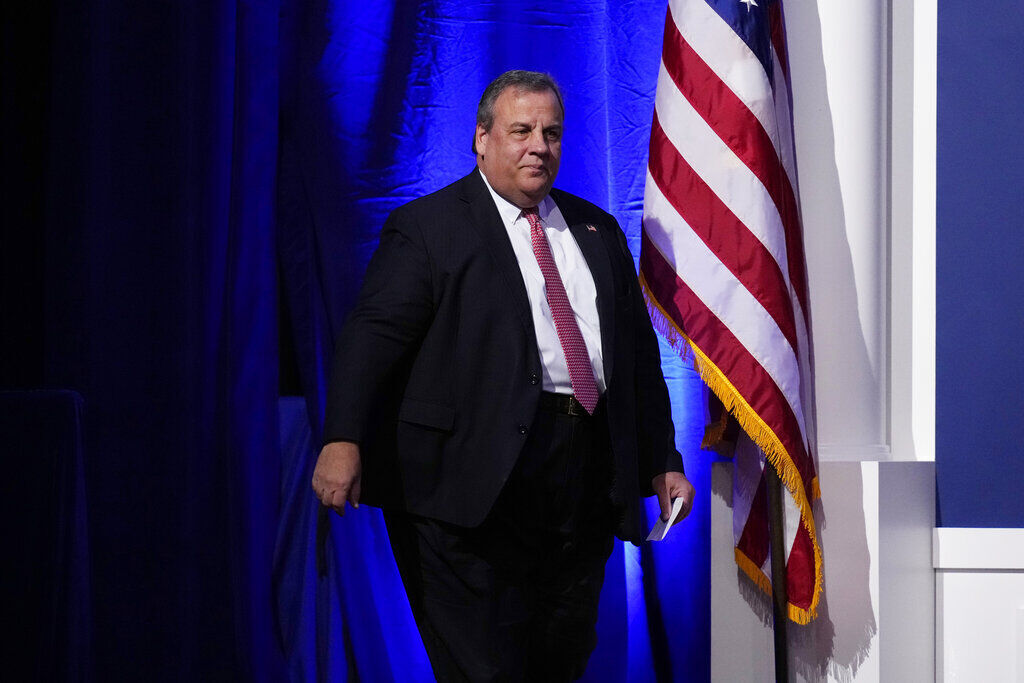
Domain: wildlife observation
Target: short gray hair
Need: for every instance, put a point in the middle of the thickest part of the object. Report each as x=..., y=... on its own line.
x=527, y=81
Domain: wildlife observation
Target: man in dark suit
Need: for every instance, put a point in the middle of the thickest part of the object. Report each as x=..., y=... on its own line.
x=497, y=390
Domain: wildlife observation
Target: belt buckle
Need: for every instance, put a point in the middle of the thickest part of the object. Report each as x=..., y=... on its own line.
x=576, y=408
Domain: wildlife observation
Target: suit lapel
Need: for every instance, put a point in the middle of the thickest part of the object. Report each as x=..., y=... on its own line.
x=487, y=220
x=591, y=242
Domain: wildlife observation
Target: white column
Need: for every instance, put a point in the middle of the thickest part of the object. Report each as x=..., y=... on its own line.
x=839, y=64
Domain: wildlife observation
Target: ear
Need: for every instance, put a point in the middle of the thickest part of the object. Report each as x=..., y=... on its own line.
x=481, y=140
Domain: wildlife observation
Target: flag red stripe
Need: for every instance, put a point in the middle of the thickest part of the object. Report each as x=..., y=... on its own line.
x=754, y=539
x=800, y=584
x=726, y=236
x=743, y=133
x=716, y=340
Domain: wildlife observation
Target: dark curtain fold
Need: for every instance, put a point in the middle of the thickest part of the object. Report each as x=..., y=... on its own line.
x=43, y=514
x=161, y=311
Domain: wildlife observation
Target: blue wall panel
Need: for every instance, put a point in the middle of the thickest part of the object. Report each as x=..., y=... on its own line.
x=980, y=265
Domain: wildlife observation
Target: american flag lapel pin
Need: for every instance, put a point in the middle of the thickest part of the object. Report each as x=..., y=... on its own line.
x=591, y=228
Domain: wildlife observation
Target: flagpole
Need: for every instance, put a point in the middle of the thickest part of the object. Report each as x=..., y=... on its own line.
x=780, y=600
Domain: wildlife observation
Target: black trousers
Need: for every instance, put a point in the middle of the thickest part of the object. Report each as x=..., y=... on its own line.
x=515, y=599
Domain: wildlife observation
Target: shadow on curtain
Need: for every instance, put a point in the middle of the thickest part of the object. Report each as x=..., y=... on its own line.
x=160, y=310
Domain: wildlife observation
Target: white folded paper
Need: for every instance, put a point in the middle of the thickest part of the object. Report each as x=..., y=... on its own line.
x=660, y=529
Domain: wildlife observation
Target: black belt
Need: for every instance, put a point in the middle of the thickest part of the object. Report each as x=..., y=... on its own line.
x=562, y=403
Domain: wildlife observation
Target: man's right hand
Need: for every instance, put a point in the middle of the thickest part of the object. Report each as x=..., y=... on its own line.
x=337, y=474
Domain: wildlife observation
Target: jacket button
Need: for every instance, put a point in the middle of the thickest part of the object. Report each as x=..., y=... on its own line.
x=523, y=429
x=534, y=379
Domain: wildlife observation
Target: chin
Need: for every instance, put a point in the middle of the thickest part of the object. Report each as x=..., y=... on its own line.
x=534, y=194
x=536, y=187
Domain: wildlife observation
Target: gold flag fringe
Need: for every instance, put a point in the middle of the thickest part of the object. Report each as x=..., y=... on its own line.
x=714, y=433
x=752, y=571
x=761, y=434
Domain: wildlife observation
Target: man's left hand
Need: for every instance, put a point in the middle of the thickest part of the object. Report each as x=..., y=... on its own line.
x=669, y=486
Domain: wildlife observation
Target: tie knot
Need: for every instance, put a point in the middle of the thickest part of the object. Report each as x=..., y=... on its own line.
x=532, y=216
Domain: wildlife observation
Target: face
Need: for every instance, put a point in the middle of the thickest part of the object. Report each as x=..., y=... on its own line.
x=520, y=153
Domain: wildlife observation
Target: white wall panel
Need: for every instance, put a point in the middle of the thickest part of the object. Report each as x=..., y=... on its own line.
x=979, y=592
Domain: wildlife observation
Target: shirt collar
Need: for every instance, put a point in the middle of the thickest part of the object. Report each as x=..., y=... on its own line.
x=510, y=212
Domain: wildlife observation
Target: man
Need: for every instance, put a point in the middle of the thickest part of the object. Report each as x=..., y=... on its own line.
x=497, y=390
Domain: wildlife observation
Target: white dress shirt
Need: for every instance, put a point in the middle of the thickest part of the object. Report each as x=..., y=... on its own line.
x=576, y=278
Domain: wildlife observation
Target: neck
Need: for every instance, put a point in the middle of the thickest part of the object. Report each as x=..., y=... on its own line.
x=522, y=202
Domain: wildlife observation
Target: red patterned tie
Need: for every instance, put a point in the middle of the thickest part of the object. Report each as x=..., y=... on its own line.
x=581, y=372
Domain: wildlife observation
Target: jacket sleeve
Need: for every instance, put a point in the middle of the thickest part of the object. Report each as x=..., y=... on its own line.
x=655, y=431
x=394, y=309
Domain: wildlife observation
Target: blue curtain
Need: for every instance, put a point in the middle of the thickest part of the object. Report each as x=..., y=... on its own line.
x=378, y=108
x=208, y=157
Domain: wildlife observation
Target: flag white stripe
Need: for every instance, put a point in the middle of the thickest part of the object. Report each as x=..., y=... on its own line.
x=791, y=521
x=783, y=133
x=806, y=390
x=748, y=461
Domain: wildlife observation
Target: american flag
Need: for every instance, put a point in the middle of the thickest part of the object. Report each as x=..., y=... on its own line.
x=722, y=261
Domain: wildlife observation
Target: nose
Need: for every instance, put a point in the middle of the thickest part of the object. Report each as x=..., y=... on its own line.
x=538, y=143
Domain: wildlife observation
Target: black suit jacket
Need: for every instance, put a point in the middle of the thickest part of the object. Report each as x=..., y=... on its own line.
x=437, y=374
